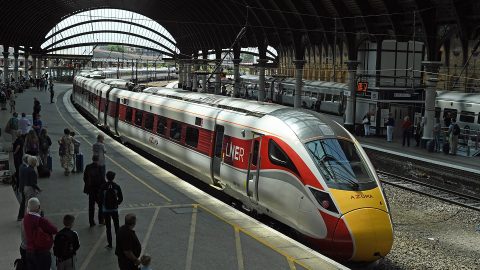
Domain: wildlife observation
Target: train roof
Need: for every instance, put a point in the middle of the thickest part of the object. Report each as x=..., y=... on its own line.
x=458, y=96
x=305, y=124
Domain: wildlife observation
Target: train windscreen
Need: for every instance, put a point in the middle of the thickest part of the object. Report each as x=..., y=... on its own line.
x=340, y=164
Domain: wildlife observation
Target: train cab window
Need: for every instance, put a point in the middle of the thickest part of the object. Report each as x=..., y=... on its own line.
x=128, y=115
x=161, y=125
x=175, y=130
x=191, y=138
x=341, y=165
x=277, y=156
x=149, y=121
x=138, y=118
x=467, y=117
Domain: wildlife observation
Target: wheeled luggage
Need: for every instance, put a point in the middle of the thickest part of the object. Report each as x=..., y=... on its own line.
x=43, y=171
x=446, y=148
x=79, y=162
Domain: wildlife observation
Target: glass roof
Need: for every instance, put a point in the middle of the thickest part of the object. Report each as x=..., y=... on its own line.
x=108, y=26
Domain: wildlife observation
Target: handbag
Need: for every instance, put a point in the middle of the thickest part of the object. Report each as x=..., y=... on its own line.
x=41, y=239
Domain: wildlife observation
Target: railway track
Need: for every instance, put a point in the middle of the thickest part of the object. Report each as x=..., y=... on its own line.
x=439, y=193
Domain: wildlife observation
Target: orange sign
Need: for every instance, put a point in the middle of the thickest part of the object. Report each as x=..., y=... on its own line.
x=362, y=86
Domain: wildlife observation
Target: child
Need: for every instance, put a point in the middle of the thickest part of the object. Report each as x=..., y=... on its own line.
x=145, y=262
x=66, y=245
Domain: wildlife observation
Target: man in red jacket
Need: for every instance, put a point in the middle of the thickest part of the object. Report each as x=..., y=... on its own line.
x=39, y=237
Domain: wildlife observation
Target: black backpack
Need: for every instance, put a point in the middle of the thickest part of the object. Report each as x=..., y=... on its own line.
x=44, y=144
x=63, y=246
x=110, y=200
x=456, y=130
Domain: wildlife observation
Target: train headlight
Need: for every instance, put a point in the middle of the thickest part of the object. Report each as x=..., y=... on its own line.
x=324, y=200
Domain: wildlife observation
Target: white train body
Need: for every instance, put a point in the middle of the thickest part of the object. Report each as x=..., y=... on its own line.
x=296, y=166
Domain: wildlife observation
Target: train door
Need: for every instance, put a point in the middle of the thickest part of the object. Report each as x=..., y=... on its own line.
x=99, y=96
x=117, y=115
x=253, y=171
x=217, y=154
x=105, y=111
x=399, y=112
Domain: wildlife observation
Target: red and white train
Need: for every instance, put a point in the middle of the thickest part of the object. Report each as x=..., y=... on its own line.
x=296, y=166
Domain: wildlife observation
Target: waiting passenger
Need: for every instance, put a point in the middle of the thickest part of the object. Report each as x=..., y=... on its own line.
x=65, y=151
x=66, y=245
x=390, y=126
x=453, y=132
x=366, y=124
x=111, y=197
x=437, y=130
x=99, y=150
x=406, y=126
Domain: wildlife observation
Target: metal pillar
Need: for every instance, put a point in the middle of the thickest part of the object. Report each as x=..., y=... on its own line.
x=195, y=76
x=431, y=67
x=218, y=79
x=180, y=74
x=5, y=64
x=350, y=116
x=236, y=77
x=297, y=102
x=39, y=66
x=15, y=64
x=25, y=66
x=118, y=68
x=189, y=74
x=261, y=79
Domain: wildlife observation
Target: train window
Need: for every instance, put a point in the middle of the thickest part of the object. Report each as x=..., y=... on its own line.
x=341, y=165
x=336, y=98
x=162, y=125
x=467, y=117
x=149, y=121
x=175, y=130
x=321, y=96
x=452, y=112
x=278, y=157
x=191, y=138
x=128, y=115
x=328, y=97
x=438, y=111
x=138, y=117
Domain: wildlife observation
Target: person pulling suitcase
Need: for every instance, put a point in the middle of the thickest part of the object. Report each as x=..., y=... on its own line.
x=77, y=156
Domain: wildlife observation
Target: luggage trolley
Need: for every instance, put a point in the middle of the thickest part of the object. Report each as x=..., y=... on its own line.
x=5, y=173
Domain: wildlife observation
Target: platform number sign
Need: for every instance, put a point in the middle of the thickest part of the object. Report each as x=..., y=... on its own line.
x=362, y=87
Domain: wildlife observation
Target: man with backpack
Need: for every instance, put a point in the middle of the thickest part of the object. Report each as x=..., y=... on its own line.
x=110, y=197
x=93, y=182
x=66, y=244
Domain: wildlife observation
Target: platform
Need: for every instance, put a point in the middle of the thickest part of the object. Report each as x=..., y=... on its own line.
x=180, y=226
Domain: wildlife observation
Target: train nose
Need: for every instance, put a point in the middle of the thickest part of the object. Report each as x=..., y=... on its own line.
x=370, y=232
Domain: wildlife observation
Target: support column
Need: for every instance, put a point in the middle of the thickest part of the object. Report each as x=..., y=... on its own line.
x=180, y=74
x=297, y=102
x=431, y=67
x=25, y=66
x=15, y=64
x=218, y=78
x=350, y=111
x=236, y=76
x=261, y=79
x=5, y=64
x=34, y=66
x=39, y=66
x=195, y=76
x=189, y=74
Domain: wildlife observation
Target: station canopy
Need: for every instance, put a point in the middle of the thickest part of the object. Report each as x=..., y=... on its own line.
x=81, y=33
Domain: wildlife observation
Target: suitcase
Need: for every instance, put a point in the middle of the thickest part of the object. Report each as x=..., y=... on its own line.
x=446, y=148
x=49, y=162
x=79, y=162
x=43, y=171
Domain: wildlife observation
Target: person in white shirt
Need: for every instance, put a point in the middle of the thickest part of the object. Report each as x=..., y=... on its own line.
x=24, y=124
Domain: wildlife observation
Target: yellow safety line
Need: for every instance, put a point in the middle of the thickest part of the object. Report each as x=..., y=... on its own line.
x=114, y=162
x=238, y=246
x=291, y=264
x=265, y=243
x=191, y=239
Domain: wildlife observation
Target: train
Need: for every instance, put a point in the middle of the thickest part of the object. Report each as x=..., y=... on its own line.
x=328, y=97
x=141, y=74
x=294, y=165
